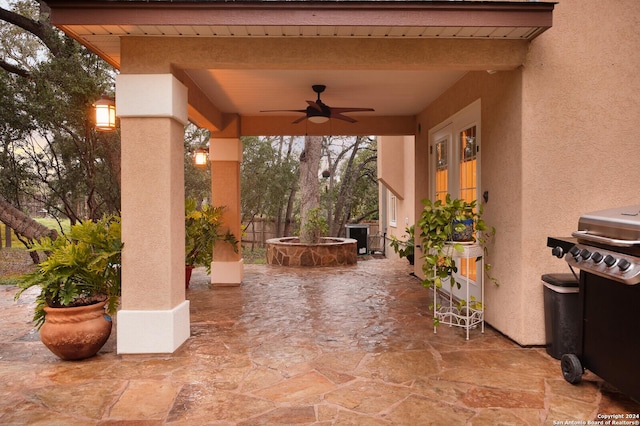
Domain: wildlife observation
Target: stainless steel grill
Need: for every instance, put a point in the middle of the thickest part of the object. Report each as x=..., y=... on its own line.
x=608, y=244
x=606, y=250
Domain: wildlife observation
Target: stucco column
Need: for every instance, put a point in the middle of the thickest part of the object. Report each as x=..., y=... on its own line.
x=227, y=268
x=154, y=315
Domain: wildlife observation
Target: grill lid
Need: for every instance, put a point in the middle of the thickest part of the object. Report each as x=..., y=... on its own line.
x=618, y=227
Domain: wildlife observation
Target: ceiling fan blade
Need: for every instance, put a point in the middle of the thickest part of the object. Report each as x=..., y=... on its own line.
x=345, y=109
x=314, y=105
x=285, y=110
x=299, y=120
x=342, y=117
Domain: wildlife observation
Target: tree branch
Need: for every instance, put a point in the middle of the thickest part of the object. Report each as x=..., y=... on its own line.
x=14, y=69
x=41, y=29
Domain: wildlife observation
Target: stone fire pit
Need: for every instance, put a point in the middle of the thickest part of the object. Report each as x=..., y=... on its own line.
x=289, y=251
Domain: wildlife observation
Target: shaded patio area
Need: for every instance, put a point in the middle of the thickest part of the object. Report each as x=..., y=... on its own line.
x=350, y=345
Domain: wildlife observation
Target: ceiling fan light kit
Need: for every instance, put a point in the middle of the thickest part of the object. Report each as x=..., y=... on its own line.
x=318, y=112
x=318, y=119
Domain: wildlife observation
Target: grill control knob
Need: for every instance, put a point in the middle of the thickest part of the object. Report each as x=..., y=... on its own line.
x=574, y=251
x=597, y=257
x=586, y=254
x=624, y=264
x=557, y=252
x=609, y=260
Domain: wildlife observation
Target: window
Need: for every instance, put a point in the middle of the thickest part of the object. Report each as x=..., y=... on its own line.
x=393, y=219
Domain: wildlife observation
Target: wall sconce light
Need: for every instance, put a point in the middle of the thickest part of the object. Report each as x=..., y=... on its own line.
x=201, y=157
x=105, y=110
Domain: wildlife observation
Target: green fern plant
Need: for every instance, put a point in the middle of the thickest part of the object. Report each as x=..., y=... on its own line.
x=203, y=229
x=81, y=268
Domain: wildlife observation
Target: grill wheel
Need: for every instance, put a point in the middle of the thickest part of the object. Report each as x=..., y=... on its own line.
x=571, y=368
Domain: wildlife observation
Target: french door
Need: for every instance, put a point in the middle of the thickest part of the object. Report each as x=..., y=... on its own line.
x=455, y=169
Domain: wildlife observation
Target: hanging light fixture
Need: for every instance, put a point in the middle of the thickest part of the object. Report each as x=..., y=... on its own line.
x=105, y=114
x=201, y=157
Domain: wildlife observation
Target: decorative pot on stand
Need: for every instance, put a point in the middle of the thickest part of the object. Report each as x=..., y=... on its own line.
x=466, y=234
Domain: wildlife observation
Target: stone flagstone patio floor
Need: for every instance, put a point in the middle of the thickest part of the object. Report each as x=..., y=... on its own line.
x=344, y=346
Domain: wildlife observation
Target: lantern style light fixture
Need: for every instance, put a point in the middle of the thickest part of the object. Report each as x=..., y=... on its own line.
x=201, y=157
x=105, y=110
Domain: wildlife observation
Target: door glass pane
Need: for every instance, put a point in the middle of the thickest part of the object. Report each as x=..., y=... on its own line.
x=442, y=168
x=468, y=163
x=468, y=185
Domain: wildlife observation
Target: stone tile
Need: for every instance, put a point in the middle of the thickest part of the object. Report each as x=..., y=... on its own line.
x=562, y=409
x=327, y=346
x=283, y=416
x=259, y=378
x=27, y=413
x=326, y=413
x=281, y=357
x=368, y=397
x=348, y=418
x=399, y=367
x=586, y=391
x=494, y=378
x=505, y=398
x=196, y=404
x=145, y=399
x=440, y=390
x=506, y=417
x=85, y=400
x=339, y=367
x=518, y=361
x=418, y=410
x=309, y=386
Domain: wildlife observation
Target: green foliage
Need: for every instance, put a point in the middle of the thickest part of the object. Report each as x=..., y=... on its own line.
x=315, y=227
x=351, y=191
x=437, y=224
x=48, y=149
x=269, y=174
x=406, y=247
x=82, y=267
x=203, y=229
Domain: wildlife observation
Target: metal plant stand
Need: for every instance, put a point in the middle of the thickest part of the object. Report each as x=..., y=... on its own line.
x=467, y=316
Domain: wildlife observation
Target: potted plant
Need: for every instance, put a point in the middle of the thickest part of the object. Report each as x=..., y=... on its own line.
x=79, y=280
x=444, y=227
x=405, y=248
x=203, y=229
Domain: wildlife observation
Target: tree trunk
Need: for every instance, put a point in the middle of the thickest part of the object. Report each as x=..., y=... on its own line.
x=346, y=189
x=309, y=185
x=288, y=213
x=22, y=224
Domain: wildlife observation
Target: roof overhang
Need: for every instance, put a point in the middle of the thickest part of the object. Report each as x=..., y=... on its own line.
x=297, y=31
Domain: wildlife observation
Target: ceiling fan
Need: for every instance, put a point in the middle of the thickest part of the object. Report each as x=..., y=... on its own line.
x=318, y=112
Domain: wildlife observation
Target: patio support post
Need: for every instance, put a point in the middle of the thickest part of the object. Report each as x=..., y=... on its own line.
x=154, y=315
x=225, y=154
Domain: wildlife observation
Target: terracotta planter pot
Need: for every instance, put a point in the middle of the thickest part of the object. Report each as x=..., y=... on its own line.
x=76, y=333
x=188, y=269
